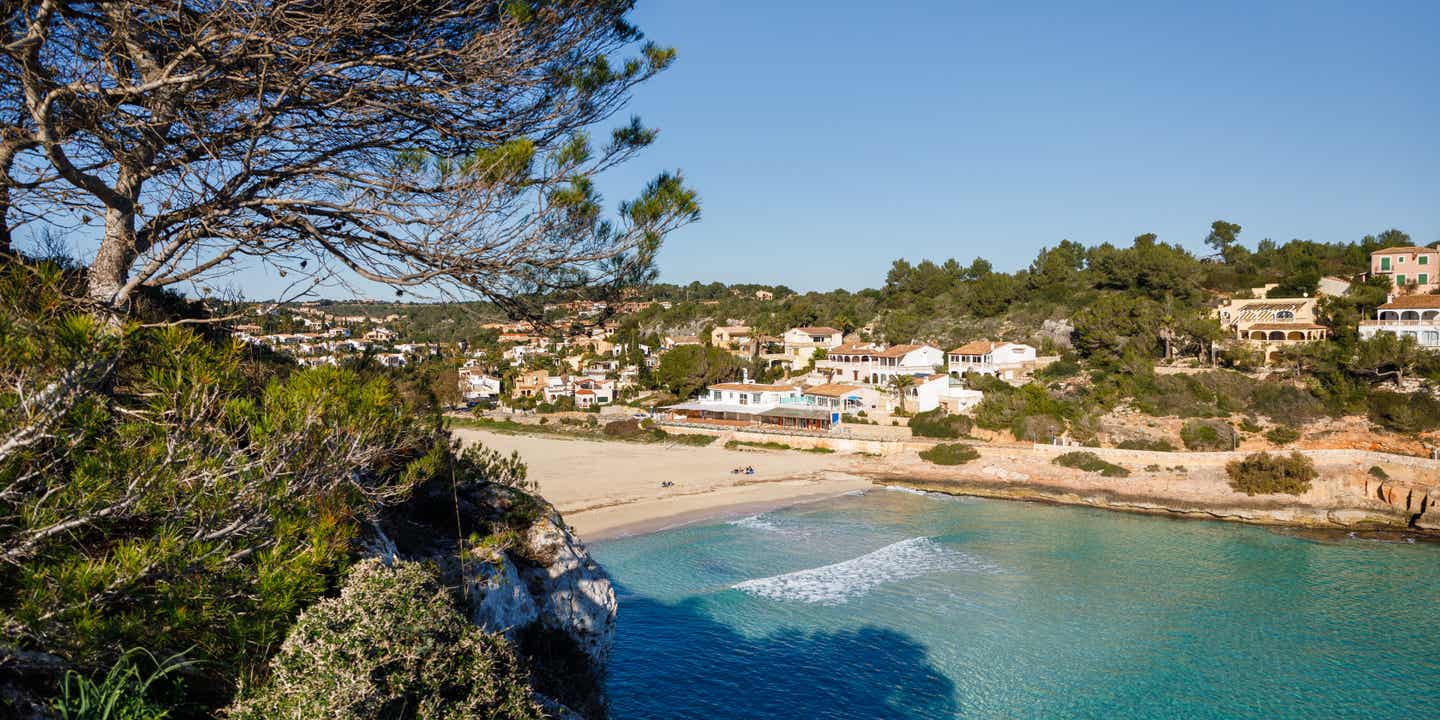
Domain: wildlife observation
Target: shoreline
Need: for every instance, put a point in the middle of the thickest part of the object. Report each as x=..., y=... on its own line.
x=607, y=490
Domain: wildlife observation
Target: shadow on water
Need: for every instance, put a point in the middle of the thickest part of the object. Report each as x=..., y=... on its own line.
x=675, y=661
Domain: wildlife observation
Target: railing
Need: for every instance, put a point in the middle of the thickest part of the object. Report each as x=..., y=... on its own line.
x=1435, y=321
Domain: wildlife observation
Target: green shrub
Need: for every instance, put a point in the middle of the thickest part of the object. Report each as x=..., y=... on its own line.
x=1151, y=444
x=1404, y=413
x=1263, y=473
x=623, y=429
x=391, y=645
x=687, y=440
x=1208, y=435
x=1282, y=435
x=1250, y=426
x=767, y=445
x=123, y=694
x=938, y=424
x=950, y=454
x=1090, y=462
x=1379, y=472
x=186, y=494
x=1058, y=370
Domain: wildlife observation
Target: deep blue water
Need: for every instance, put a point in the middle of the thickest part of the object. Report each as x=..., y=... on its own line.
x=898, y=605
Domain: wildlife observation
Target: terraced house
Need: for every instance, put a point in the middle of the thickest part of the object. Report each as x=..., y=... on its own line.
x=1411, y=269
x=1271, y=324
x=1417, y=316
x=877, y=365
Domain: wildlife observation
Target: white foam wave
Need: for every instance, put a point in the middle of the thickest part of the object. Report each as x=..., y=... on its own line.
x=838, y=583
x=912, y=491
x=755, y=522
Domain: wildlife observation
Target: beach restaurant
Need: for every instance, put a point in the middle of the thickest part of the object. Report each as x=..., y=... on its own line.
x=754, y=404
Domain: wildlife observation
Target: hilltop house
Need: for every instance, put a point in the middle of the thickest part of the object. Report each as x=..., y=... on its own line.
x=800, y=345
x=874, y=365
x=673, y=341
x=730, y=337
x=1004, y=360
x=1271, y=323
x=1411, y=269
x=1414, y=315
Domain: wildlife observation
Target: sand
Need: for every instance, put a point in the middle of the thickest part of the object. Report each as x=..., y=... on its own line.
x=608, y=489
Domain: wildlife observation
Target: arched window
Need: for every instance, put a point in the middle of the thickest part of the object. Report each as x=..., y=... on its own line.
x=1285, y=315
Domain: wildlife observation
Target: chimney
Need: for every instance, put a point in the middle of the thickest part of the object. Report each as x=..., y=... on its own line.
x=745, y=376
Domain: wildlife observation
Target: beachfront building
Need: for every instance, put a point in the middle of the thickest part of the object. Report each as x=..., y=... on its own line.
x=1415, y=315
x=747, y=404
x=477, y=386
x=924, y=394
x=1413, y=270
x=873, y=364
x=592, y=392
x=1270, y=324
x=843, y=398
x=1007, y=361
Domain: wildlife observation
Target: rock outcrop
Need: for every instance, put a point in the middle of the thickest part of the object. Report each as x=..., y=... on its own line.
x=520, y=572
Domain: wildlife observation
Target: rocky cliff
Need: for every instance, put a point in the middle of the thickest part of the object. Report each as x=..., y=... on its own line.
x=1350, y=493
x=517, y=570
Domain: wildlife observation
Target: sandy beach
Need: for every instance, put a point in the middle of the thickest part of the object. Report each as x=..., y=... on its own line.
x=609, y=489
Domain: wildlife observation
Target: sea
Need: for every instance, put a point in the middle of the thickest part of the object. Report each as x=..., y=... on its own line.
x=901, y=604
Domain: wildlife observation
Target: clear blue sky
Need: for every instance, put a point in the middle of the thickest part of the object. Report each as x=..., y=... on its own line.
x=829, y=138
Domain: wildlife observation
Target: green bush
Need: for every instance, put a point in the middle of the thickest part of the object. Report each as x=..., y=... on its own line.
x=767, y=445
x=1151, y=444
x=950, y=454
x=623, y=429
x=185, y=494
x=1404, y=413
x=1282, y=435
x=124, y=693
x=1379, y=472
x=938, y=424
x=1090, y=462
x=1263, y=473
x=1208, y=435
x=1250, y=426
x=391, y=645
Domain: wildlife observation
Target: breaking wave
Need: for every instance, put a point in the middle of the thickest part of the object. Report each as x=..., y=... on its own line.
x=838, y=583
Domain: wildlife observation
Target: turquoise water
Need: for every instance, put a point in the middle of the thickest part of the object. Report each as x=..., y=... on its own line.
x=899, y=605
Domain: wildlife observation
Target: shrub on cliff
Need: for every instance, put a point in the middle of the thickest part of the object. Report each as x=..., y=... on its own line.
x=938, y=424
x=1207, y=435
x=950, y=454
x=1263, y=473
x=1282, y=435
x=392, y=645
x=1151, y=444
x=1405, y=413
x=1090, y=462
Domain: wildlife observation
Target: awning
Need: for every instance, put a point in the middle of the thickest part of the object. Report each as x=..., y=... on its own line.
x=712, y=407
x=797, y=413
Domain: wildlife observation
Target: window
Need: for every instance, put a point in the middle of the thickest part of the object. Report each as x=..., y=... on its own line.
x=1400, y=260
x=1384, y=264
x=1422, y=278
x=1399, y=279
x=1430, y=338
x=1424, y=260
x=1285, y=315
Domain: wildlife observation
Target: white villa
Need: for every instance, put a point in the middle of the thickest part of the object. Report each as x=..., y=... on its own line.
x=844, y=398
x=871, y=364
x=1004, y=360
x=476, y=385
x=1414, y=315
x=801, y=343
